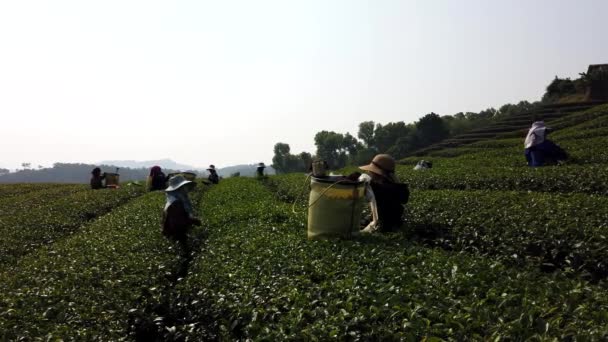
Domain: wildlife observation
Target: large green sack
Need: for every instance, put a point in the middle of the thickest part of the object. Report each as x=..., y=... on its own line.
x=334, y=208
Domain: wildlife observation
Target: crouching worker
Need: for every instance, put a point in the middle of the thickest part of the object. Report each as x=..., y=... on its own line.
x=97, y=179
x=384, y=193
x=178, y=215
x=539, y=150
x=157, y=180
x=214, y=178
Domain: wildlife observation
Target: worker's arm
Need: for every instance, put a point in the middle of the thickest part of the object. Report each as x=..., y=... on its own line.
x=374, y=208
x=371, y=198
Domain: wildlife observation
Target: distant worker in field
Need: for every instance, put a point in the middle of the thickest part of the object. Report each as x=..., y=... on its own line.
x=157, y=181
x=384, y=193
x=539, y=150
x=97, y=179
x=423, y=165
x=214, y=178
x=259, y=171
x=178, y=214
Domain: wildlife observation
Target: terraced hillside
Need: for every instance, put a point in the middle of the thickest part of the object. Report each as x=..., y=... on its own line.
x=510, y=125
x=491, y=250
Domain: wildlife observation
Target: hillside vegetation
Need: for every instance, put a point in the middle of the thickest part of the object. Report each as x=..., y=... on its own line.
x=491, y=250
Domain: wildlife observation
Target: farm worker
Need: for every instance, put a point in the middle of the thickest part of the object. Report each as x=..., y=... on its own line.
x=260, y=170
x=539, y=149
x=178, y=215
x=213, y=176
x=423, y=165
x=157, y=179
x=96, y=179
x=384, y=193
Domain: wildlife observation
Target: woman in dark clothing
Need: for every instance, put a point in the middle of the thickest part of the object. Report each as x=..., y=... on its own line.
x=178, y=215
x=385, y=194
x=97, y=178
x=214, y=178
x=259, y=171
x=157, y=181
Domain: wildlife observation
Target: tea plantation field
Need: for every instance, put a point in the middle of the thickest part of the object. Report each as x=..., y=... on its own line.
x=491, y=250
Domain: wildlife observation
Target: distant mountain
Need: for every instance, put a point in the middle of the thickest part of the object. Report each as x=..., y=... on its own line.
x=81, y=173
x=163, y=163
x=70, y=173
x=246, y=170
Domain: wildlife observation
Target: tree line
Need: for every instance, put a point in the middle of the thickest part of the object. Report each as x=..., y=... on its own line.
x=398, y=139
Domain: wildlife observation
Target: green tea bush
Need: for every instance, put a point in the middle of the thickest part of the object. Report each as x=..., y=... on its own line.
x=260, y=278
x=82, y=287
x=566, y=231
x=583, y=147
x=32, y=198
x=551, y=230
x=571, y=120
x=591, y=179
x=500, y=143
x=41, y=217
x=10, y=190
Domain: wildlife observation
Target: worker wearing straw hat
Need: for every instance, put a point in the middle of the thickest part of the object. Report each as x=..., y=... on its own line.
x=213, y=176
x=385, y=194
x=260, y=169
x=178, y=215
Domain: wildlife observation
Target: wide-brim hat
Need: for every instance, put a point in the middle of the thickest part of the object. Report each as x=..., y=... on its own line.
x=382, y=164
x=177, y=182
x=211, y=167
x=261, y=165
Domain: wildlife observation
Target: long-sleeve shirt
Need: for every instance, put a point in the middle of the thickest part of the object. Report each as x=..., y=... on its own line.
x=536, y=134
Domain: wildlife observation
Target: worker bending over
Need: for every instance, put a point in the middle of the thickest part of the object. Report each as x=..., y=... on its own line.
x=385, y=194
x=539, y=150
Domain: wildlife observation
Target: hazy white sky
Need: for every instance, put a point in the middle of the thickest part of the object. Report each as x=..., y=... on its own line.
x=222, y=81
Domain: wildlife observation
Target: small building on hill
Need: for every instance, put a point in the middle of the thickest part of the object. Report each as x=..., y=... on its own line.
x=597, y=82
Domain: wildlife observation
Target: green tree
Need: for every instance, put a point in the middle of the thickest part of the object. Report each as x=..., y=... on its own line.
x=430, y=129
x=335, y=148
x=280, y=158
x=366, y=133
x=559, y=88
x=285, y=162
x=363, y=156
x=305, y=160
x=386, y=136
x=402, y=147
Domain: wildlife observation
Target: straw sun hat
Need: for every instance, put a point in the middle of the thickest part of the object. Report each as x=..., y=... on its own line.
x=382, y=164
x=177, y=182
